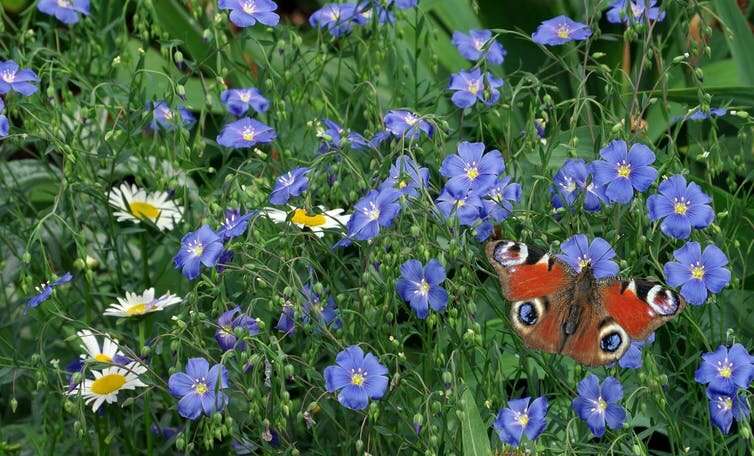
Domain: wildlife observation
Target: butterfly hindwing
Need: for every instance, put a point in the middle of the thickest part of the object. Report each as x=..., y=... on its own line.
x=640, y=306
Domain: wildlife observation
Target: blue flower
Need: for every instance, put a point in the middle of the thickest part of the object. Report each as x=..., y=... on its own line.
x=725, y=370
x=359, y=142
x=407, y=124
x=66, y=11
x=44, y=291
x=622, y=170
x=234, y=224
x=224, y=260
x=403, y=4
x=421, y=286
x=4, y=126
x=313, y=309
x=164, y=117
x=225, y=335
x=560, y=30
x=696, y=271
x=199, y=247
x=521, y=418
x=245, y=132
x=406, y=176
x=682, y=207
x=371, y=213
x=698, y=114
x=478, y=44
x=200, y=388
x=630, y=11
x=12, y=78
x=367, y=9
x=238, y=101
x=466, y=208
x=599, y=404
x=499, y=200
x=339, y=19
x=292, y=183
x=579, y=253
x=632, y=358
x=571, y=180
x=358, y=377
x=469, y=87
x=471, y=169
x=286, y=322
x=724, y=406
x=245, y=13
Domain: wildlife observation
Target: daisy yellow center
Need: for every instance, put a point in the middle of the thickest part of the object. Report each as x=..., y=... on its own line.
x=563, y=32
x=201, y=388
x=357, y=379
x=142, y=209
x=472, y=173
x=697, y=272
x=108, y=384
x=624, y=170
x=601, y=405
x=248, y=135
x=103, y=358
x=424, y=288
x=137, y=309
x=523, y=419
x=300, y=217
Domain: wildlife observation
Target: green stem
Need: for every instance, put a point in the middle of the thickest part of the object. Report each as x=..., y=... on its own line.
x=144, y=258
x=147, y=396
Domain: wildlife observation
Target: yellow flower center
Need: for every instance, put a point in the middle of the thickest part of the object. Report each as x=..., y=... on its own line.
x=200, y=388
x=197, y=250
x=142, y=210
x=584, y=262
x=601, y=405
x=424, y=288
x=248, y=7
x=245, y=97
x=137, y=309
x=103, y=358
x=357, y=379
x=473, y=88
x=248, y=135
x=624, y=170
x=523, y=419
x=300, y=217
x=697, y=272
x=472, y=173
x=726, y=372
x=402, y=183
x=108, y=384
x=460, y=203
x=563, y=32
x=680, y=207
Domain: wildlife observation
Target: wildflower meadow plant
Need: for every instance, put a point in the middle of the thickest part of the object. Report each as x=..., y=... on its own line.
x=375, y=227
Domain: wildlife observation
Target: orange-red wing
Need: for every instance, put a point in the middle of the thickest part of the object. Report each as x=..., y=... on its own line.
x=534, y=280
x=640, y=306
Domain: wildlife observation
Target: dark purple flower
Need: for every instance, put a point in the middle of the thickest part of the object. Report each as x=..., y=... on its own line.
x=66, y=11
x=471, y=169
x=421, y=286
x=560, y=30
x=725, y=370
x=44, y=291
x=245, y=132
x=293, y=183
x=406, y=176
x=326, y=315
x=238, y=101
x=478, y=44
x=599, y=404
x=19, y=80
x=724, y=406
x=631, y=11
x=357, y=377
x=521, y=418
x=164, y=117
x=339, y=19
x=234, y=224
x=622, y=170
x=287, y=322
x=579, y=253
x=632, y=358
x=202, y=246
x=499, y=200
x=573, y=179
x=682, y=207
x=696, y=271
x=226, y=331
x=200, y=388
x=407, y=124
x=245, y=13
x=466, y=208
x=371, y=213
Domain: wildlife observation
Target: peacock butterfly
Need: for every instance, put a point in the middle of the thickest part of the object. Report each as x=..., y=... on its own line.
x=556, y=310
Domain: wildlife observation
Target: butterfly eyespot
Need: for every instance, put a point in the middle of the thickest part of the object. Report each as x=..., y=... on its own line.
x=509, y=253
x=662, y=301
x=527, y=313
x=611, y=342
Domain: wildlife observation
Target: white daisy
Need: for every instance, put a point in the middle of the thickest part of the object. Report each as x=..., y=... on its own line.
x=135, y=204
x=134, y=305
x=108, y=382
x=332, y=219
x=92, y=349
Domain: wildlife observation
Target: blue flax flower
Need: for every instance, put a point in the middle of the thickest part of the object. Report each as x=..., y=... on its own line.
x=245, y=13
x=698, y=114
x=421, y=286
x=407, y=124
x=226, y=331
x=681, y=207
x=238, y=101
x=579, y=253
x=467, y=208
x=632, y=358
x=478, y=44
x=287, y=322
x=202, y=246
x=696, y=271
x=66, y=11
x=499, y=200
x=403, y=4
x=200, y=388
x=371, y=213
x=164, y=117
x=313, y=309
x=19, y=80
x=631, y=11
x=357, y=377
x=599, y=404
x=44, y=291
x=572, y=180
x=724, y=406
x=560, y=30
x=293, y=183
x=330, y=136
x=245, y=132
x=338, y=19
x=622, y=170
x=471, y=169
x=359, y=142
x=725, y=370
x=469, y=87
x=521, y=417
x=234, y=224
x=406, y=176
x=4, y=125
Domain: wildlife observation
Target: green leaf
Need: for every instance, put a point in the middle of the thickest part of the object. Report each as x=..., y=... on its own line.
x=739, y=37
x=476, y=442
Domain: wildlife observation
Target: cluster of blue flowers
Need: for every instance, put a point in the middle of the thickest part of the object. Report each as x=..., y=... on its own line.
x=470, y=86
x=14, y=79
x=726, y=372
x=340, y=18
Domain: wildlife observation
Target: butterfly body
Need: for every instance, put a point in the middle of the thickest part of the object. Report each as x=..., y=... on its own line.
x=558, y=310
